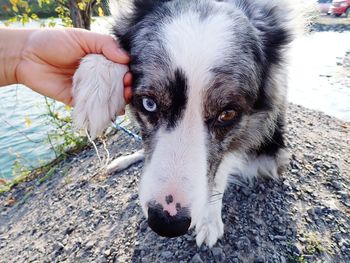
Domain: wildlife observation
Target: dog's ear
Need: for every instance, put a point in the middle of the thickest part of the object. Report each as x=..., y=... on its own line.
x=273, y=19
x=128, y=14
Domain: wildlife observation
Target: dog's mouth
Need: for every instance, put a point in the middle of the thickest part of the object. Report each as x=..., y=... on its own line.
x=167, y=225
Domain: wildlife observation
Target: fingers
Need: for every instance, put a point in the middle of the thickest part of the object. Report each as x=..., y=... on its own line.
x=127, y=94
x=127, y=87
x=127, y=79
x=96, y=43
x=114, y=53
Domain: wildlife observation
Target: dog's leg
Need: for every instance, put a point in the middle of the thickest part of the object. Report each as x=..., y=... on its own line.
x=98, y=93
x=243, y=168
x=210, y=228
x=124, y=162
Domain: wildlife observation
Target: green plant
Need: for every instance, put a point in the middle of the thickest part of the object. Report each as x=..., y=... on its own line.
x=313, y=244
x=73, y=13
x=62, y=137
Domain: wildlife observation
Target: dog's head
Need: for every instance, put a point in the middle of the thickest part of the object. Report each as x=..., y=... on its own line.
x=205, y=84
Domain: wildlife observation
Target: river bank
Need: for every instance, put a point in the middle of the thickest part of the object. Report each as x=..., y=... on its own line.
x=78, y=215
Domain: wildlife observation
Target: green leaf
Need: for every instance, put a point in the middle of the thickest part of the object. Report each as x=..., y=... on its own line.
x=34, y=16
x=82, y=6
x=100, y=11
x=27, y=121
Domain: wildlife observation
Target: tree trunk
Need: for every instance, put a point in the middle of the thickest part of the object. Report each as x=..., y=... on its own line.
x=81, y=18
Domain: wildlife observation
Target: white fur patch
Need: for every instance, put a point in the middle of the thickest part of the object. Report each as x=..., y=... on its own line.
x=244, y=167
x=191, y=41
x=98, y=93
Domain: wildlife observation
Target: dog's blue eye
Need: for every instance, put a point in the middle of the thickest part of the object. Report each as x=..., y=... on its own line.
x=149, y=104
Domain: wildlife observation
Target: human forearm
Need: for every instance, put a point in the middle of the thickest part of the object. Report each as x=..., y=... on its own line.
x=12, y=42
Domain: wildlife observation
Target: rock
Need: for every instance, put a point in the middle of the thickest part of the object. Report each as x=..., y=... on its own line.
x=280, y=238
x=259, y=259
x=143, y=226
x=218, y=254
x=89, y=245
x=196, y=259
x=107, y=253
x=283, y=259
x=243, y=244
x=337, y=185
x=166, y=254
x=295, y=250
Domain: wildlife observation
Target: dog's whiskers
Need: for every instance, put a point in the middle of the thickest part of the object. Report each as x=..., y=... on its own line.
x=213, y=202
x=217, y=194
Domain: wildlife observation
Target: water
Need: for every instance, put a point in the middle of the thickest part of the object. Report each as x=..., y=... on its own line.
x=18, y=106
x=311, y=56
x=28, y=143
x=316, y=81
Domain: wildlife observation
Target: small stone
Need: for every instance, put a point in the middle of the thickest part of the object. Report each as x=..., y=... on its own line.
x=308, y=258
x=318, y=210
x=107, y=252
x=69, y=230
x=218, y=254
x=337, y=185
x=280, y=238
x=243, y=244
x=143, y=226
x=166, y=254
x=134, y=196
x=295, y=249
x=197, y=259
x=259, y=259
x=89, y=245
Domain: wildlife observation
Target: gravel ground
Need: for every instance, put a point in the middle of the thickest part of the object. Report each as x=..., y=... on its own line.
x=77, y=215
x=330, y=23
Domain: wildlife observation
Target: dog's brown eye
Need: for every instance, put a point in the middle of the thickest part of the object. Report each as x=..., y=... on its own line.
x=227, y=116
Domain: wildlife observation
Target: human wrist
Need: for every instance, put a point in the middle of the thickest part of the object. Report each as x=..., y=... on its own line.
x=12, y=44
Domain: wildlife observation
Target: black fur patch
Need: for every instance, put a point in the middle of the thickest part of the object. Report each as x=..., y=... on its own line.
x=271, y=146
x=167, y=113
x=140, y=10
x=178, y=94
x=274, y=36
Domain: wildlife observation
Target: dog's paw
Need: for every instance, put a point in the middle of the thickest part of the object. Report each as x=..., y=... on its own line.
x=209, y=230
x=98, y=93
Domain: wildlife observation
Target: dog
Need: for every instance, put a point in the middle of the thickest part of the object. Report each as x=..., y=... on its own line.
x=209, y=95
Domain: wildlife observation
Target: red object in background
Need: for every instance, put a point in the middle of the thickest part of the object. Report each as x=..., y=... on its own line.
x=340, y=7
x=324, y=6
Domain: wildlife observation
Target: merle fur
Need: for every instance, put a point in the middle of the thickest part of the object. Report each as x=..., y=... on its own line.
x=264, y=39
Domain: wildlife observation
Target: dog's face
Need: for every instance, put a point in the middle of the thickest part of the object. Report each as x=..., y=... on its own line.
x=199, y=68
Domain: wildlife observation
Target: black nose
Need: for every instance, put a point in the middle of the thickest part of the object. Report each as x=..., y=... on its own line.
x=165, y=225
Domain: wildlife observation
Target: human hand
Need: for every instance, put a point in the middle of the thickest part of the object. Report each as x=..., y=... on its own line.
x=49, y=58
